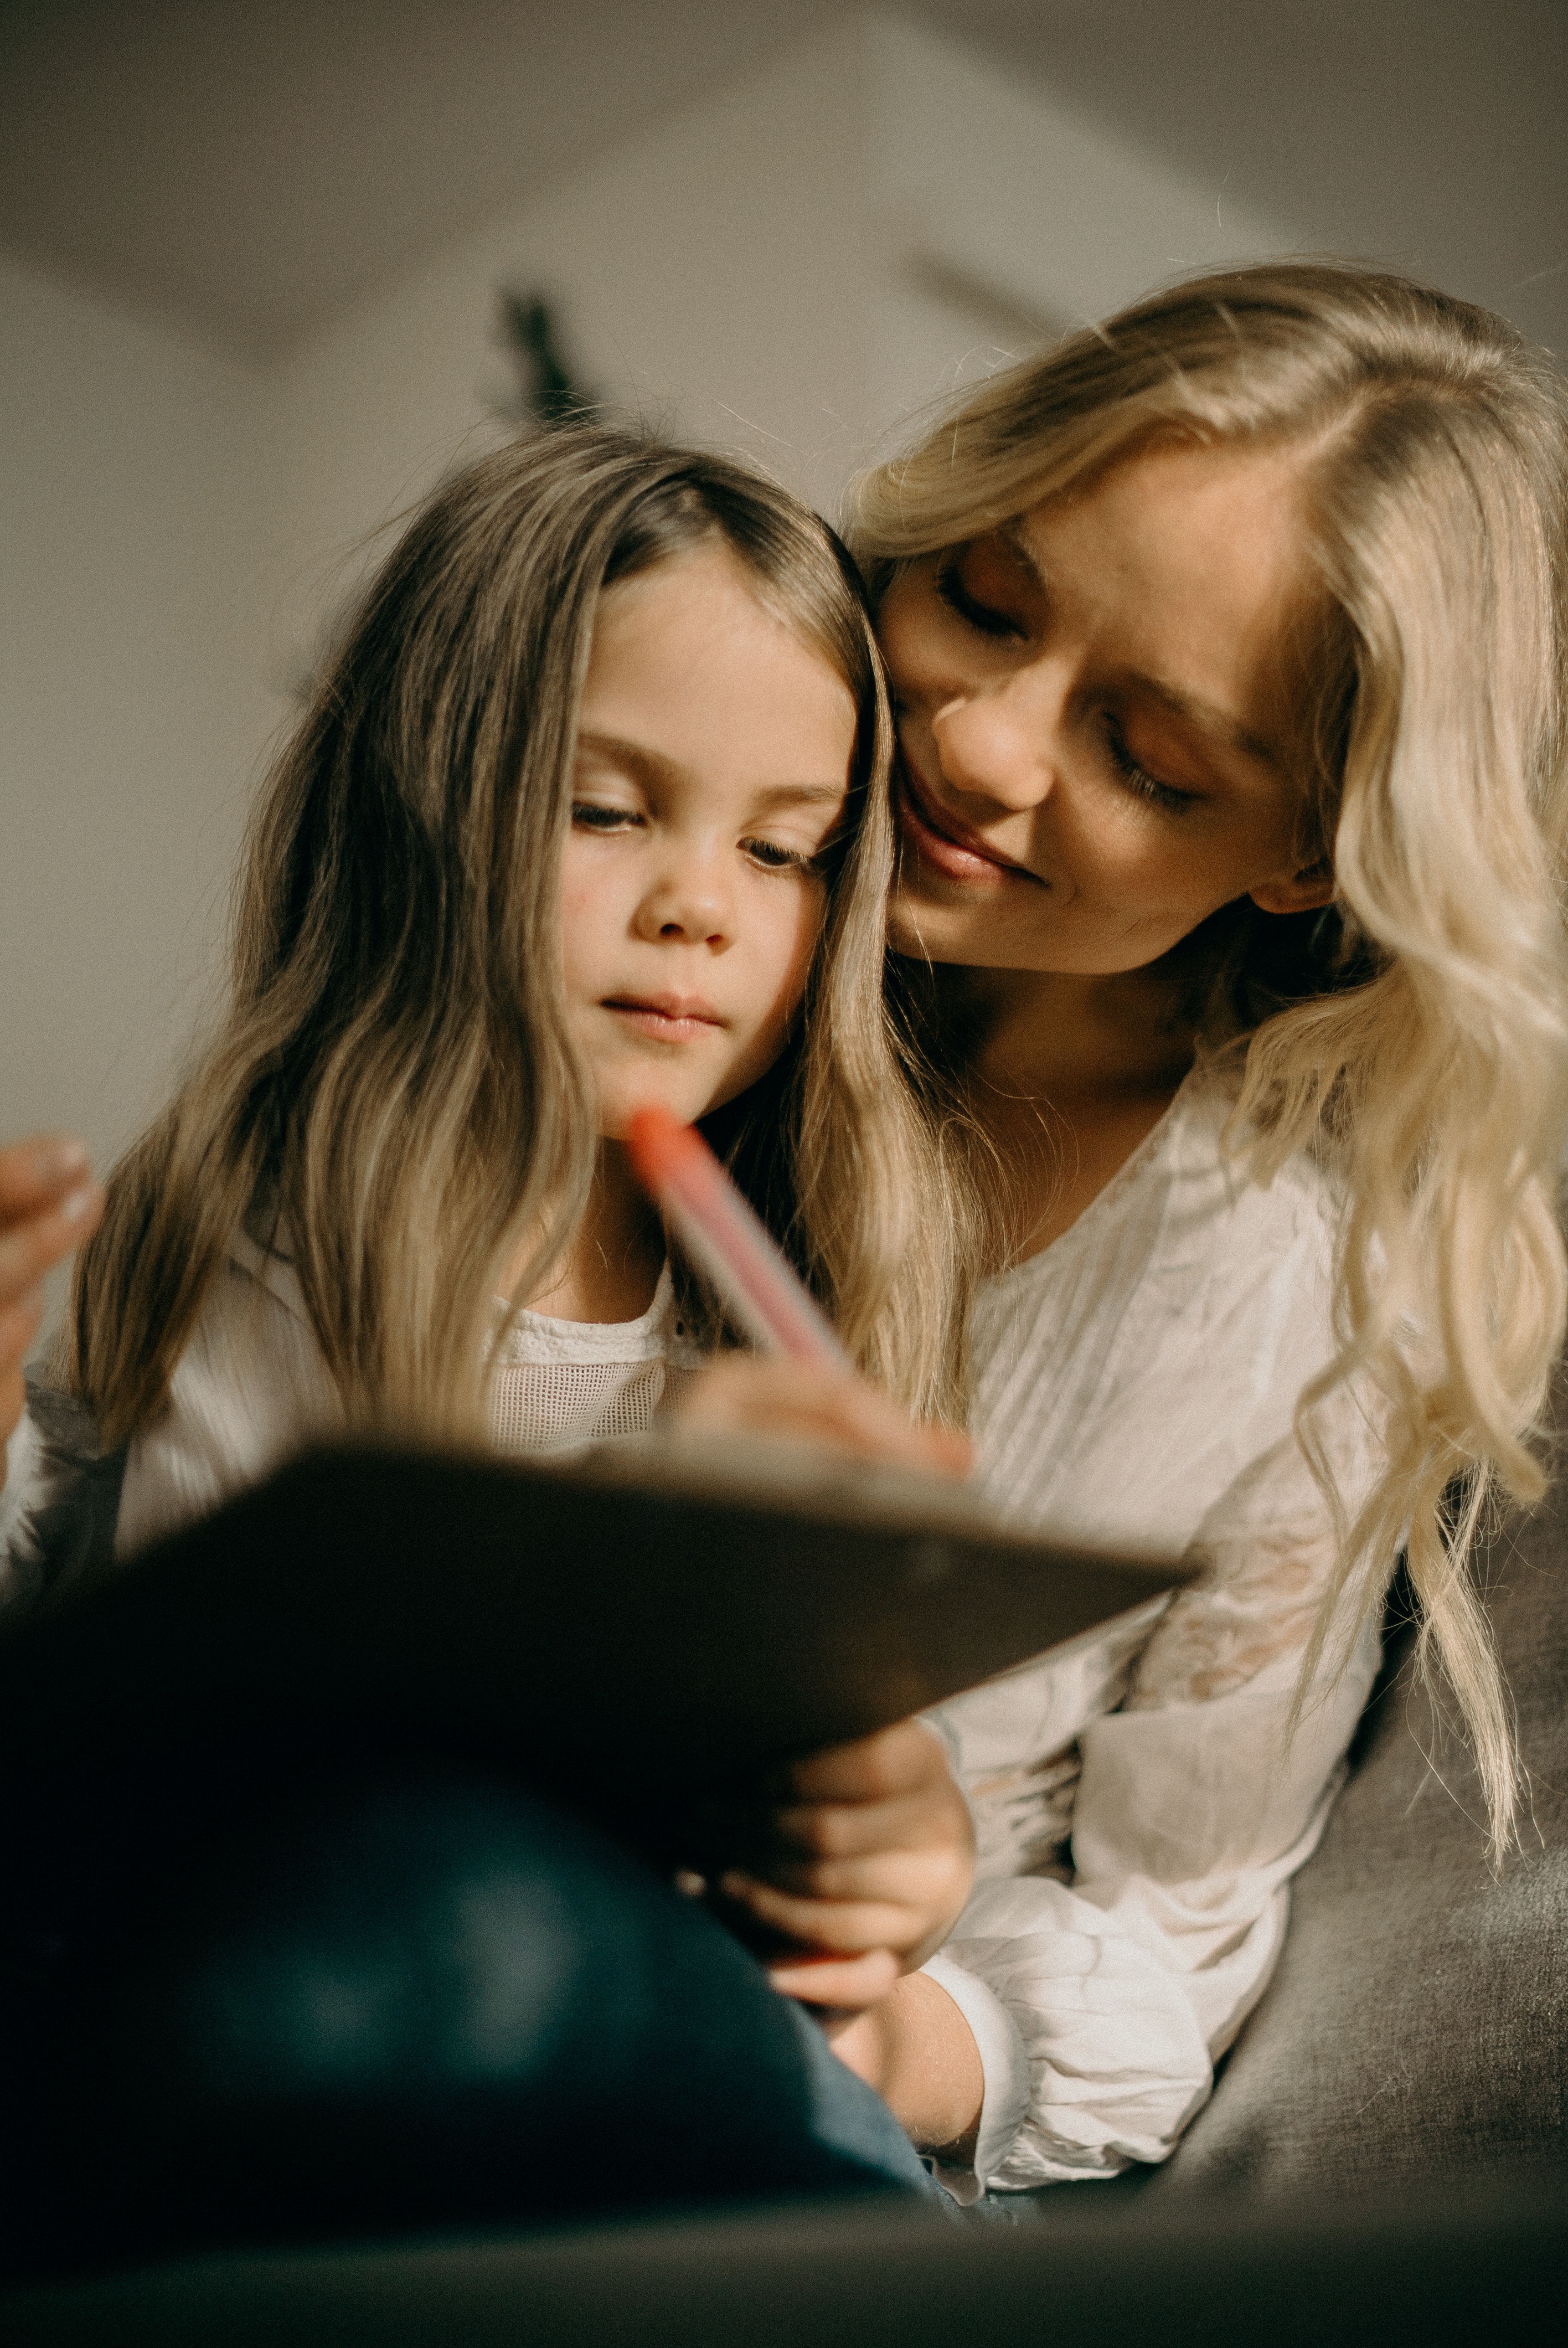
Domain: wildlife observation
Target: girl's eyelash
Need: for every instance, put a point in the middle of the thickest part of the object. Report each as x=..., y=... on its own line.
x=1140, y=780
x=979, y=616
x=592, y=815
x=771, y=858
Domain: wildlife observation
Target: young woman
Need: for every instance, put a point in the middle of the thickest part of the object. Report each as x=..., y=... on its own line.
x=588, y=810
x=1228, y=651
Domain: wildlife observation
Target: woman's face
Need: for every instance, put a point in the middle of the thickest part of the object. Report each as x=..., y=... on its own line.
x=1097, y=726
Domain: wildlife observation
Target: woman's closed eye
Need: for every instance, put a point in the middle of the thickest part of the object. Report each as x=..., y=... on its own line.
x=1138, y=778
x=986, y=619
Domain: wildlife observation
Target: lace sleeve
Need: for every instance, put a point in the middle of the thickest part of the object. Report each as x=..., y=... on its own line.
x=1197, y=1801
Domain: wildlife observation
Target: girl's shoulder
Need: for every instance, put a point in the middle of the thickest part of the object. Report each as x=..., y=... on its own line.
x=526, y=1339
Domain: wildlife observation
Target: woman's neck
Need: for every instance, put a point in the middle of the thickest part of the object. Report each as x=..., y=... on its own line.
x=610, y=1270
x=1079, y=1041
x=1067, y=1075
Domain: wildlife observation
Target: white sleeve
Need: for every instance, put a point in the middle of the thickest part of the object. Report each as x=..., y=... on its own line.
x=21, y=1498
x=249, y=1388
x=1100, y=2003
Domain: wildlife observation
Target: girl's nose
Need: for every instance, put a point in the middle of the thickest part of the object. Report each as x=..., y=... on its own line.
x=993, y=752
x=687, y=904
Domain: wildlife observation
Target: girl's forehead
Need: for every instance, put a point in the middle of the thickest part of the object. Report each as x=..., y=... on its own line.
x=709, y=603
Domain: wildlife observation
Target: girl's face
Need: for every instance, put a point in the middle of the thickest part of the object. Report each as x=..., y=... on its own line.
x=1096, y=725
x=714, y=752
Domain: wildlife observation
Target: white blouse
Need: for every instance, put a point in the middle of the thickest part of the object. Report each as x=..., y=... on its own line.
x=1139, y=1800
x=251, y=1386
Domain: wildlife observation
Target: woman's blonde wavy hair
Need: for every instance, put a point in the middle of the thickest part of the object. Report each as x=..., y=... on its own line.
x=1429, y=1053
x=394, y=1085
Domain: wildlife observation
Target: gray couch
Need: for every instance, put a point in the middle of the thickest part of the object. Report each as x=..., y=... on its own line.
x=1386, y=2154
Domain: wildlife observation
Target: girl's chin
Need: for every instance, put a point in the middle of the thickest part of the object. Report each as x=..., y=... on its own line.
x=625, y=1092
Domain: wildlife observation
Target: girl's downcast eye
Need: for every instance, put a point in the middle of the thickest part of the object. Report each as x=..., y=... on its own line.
x=591, y=815
x=774, y=857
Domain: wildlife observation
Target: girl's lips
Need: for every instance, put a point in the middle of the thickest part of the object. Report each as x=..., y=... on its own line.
x=955, y=859
x=668, y=1018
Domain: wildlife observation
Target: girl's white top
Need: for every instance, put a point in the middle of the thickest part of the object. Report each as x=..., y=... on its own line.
x=1138, y=1805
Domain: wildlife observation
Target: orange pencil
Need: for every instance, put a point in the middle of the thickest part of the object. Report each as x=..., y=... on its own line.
x=723, y=1236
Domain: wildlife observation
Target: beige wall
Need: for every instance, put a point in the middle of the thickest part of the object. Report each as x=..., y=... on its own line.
x=712, y=276
x=129, y=704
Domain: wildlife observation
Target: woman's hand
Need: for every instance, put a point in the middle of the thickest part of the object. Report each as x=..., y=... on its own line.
x=775, y=1395
x=865, y=1863
x=48, y=1205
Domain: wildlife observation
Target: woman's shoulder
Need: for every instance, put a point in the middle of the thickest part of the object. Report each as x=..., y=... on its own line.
x=1188, y=1206
x=1210, y=1153
x=1124, y=1378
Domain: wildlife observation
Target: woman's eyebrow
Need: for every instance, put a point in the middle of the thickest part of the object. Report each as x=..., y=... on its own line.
x=1013, y=537
x=1205, y=716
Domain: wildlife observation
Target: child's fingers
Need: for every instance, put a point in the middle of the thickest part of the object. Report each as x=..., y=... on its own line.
x=913, y=1880
x=37, y=1172
x=803, y=1402
x=811, y=1830
x=34, y=1244
x=844, y=1927
x=850, y=1983
x=893, y=1761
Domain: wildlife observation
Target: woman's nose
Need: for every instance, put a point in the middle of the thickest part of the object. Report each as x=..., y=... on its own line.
x=992, y=752
x=687, y=904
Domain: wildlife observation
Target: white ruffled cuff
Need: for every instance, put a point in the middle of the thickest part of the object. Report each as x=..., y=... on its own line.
x=1005, y=2065
x=21, y=1498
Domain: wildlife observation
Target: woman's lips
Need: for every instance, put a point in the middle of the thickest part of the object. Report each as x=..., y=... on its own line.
x=668, y=1018
x=954, y=855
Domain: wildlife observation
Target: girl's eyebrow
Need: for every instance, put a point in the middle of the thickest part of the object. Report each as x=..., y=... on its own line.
x=801, y=795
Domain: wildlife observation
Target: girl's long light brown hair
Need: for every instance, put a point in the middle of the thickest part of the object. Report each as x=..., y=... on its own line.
x=394, y=1085
x=1418, y=1034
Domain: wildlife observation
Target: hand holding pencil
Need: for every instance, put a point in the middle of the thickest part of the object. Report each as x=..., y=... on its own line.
x=805, y=1385
x=864, y=1855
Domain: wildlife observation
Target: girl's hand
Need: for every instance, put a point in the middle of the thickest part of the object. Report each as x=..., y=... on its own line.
x=772, y=1395
x=48, y=1205
x=866, y=1864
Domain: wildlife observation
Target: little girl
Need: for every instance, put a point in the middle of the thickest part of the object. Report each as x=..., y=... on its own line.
x=588, y=810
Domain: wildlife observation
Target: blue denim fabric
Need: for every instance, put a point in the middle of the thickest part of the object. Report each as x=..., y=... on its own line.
x=428, y=1998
